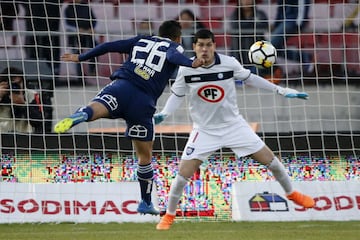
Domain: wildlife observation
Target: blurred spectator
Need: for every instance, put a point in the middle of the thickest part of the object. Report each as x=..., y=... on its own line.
x=145, y=27
x=21, y=109
x=189, y=24
x=248, y=25
x=349, y=24
x=8, y=12
x=81, y=21
x=42, y=26
x=291, y=18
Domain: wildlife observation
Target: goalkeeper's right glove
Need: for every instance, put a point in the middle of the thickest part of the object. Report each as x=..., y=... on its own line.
x=159, y=117
x=292, y=93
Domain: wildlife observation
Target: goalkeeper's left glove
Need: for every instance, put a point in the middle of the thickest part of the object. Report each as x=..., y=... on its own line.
x=159, y=117
x=292, y=93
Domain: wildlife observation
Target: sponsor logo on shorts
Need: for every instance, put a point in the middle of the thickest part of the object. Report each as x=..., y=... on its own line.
x=189, y=150
x=109, y=100
x=138, y=131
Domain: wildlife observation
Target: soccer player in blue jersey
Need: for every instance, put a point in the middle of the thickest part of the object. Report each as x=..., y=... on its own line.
x=133, y=93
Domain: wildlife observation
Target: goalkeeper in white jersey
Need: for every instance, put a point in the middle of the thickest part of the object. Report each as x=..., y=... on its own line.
x=217, y=122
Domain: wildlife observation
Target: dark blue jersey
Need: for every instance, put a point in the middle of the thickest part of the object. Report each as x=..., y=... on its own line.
x=151, y=62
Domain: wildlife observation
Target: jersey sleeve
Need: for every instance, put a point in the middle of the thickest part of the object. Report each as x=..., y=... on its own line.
x=240, y=73
x=121, y=46
x=174, y=56
x=179, y=86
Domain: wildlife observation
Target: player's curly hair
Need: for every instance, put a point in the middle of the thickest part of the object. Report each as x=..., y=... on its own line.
x=170, y=29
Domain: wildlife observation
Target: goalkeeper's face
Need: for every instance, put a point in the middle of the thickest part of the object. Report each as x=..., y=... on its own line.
x=205, y=48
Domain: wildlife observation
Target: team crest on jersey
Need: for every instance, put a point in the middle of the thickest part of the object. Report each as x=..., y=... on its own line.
x=211, y=93
x=189, y=150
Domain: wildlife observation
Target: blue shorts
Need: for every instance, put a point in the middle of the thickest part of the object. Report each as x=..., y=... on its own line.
x=124, y=100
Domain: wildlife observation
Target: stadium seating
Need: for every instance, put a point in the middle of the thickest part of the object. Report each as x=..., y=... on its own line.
x=172, y=10
x=116, y=20
x=352, y=55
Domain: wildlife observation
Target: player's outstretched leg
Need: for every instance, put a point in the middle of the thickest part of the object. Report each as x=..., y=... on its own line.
x=67, y=123
x=165, y=222
x=278, y=170
x=145, y=208
x=301, y=199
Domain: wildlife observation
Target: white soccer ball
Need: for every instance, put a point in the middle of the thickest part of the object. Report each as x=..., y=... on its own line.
x=262, y=54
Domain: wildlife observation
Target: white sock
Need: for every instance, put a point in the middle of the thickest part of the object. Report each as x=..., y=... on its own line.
x=279, y=172
x=176, y=190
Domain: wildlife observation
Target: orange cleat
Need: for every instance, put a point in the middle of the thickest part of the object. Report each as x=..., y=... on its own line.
x=301, y=199
x=165, y=222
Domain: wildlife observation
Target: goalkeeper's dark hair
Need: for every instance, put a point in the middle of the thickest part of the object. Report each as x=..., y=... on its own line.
x=204, y=34
x=170, y=29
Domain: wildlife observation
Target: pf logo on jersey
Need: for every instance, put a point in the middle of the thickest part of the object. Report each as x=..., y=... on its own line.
x=211, y=93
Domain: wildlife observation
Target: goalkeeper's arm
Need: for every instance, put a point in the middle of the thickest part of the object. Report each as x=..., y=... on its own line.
x=171, y=105
x=259, y=82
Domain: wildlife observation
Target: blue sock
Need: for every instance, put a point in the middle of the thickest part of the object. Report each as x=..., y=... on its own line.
x=82, y=115
x=89, y=112
x=78, y=117
x=145, y=174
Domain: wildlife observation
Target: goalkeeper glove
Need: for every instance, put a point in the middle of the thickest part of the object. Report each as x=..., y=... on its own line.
x=292, y=93
x=159, y=117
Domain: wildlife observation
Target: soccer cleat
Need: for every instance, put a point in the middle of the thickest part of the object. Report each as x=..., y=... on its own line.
x=165, y=222
x=67, y=123
x=301, y=199
x=144, y=208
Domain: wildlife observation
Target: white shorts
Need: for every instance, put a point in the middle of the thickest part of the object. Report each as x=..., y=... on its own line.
x=240, y=138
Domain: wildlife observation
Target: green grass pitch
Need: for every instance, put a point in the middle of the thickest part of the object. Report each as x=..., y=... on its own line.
x=322, y=230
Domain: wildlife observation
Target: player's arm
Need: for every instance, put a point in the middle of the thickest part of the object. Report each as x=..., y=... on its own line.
x=121, y=46
x=178, y=90
x=259, y=82
x=174, y=56
x=171, y=105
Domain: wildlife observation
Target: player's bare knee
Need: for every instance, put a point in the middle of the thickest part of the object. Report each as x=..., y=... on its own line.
x=189, y=167
x=264, y=156
x=99, y=109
